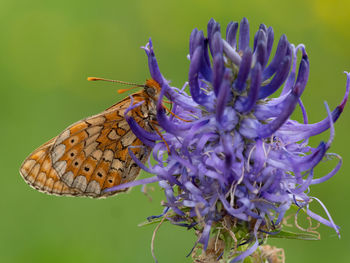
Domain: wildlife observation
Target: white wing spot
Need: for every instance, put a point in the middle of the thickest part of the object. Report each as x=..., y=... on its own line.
x=117, y=164
x=93, y=187
x=96, y=120
x=94, y=129
x=124, y=125
x=121, y=111
x=97, y=154
x=112, y=135
x=57, y=152
x=60, y=167
x=88, y=149
x=62, y=137
x=68, y=178
x=108, y=155
x=91, y=139
x=80, y=183
x=128, y=138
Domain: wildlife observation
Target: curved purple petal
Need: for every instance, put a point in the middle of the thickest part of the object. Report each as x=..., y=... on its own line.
x=248, y=103
x=223, y=96
x=270, y=38
x=218, y=62
x=243, y=35
x=132, y=184
x=331, y=174
x=279, y=56
x=152, y=63
x=244, y=70
x=231, y=32
x=279, y=78
x=268, y=129
x=322, y=220
x=196, y=62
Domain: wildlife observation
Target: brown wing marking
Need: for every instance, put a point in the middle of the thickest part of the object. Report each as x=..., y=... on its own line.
x=90, y=155
x=37, y=171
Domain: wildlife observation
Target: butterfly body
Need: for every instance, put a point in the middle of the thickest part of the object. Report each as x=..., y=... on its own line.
x=92, y=154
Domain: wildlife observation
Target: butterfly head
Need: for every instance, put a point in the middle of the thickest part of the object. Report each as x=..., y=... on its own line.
x=152, y=89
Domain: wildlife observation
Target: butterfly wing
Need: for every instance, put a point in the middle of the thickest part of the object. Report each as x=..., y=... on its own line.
x=90, y=155
x=37, y=171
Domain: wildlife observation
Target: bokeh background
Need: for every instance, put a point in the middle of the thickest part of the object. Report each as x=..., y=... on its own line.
x=48, y=48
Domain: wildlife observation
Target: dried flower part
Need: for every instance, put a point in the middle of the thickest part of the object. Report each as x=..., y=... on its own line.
x=269, y=254
x=240, y=156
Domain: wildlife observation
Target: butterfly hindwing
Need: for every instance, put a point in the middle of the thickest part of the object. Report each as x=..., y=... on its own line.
x=37, y=171
x=89, y=156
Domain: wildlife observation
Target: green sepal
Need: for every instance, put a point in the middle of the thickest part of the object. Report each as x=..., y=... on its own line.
x=292, y=235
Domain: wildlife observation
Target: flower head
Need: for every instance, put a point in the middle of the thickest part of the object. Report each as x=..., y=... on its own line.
x=231, y=156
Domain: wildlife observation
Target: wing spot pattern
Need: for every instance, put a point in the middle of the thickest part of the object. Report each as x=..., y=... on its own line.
x=60, y=167
x=117, y=164
x=27, y=167
x=90, y=148
x=57, y=152
x=80, y=183
x=96, y=120
x=33, y=174
x=68, y=178
x=128, y=139
x=93, y=187
x=97, y=154
x=40, y=180
x=65, y=135
x=112, y=135
x=94, y=130
x=91, y=154
x=108, y=155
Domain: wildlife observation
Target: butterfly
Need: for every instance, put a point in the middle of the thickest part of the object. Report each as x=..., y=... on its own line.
x=92, y=155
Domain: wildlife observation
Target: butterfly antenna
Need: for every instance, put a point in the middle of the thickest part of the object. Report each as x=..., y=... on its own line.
x=116, y=81
x=135, y=85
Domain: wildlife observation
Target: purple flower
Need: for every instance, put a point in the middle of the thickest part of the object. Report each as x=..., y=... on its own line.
x=240, y=160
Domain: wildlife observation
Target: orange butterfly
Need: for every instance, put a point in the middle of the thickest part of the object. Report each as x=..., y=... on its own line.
x=92, y=154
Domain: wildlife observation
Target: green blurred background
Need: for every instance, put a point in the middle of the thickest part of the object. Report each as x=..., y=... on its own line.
x=47, y=50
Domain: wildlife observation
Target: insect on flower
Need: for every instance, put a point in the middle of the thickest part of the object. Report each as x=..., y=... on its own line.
x=92, y=154
x=231, y=159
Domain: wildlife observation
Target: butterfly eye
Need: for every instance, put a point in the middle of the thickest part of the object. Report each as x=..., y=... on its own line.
x=150, y=91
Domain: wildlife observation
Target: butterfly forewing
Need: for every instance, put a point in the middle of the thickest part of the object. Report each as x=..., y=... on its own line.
x=92, y=154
